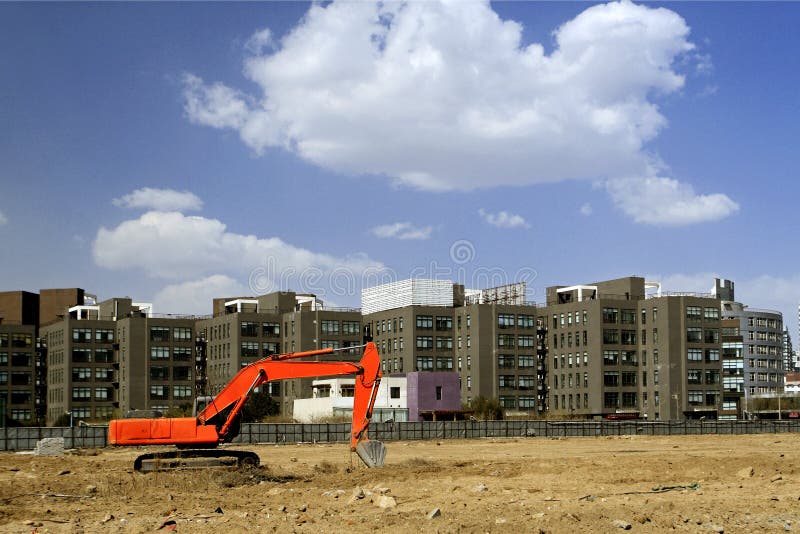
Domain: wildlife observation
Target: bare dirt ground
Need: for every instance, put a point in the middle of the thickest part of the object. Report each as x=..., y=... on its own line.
x=730, y=484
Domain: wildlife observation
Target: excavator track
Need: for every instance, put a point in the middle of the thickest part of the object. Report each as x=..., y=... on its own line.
x=176, y=459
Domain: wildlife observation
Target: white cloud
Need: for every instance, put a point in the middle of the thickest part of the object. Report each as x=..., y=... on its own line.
x=445, y=95
x=195, y=296
x=159, y=200
x=3, y=219
x=503, y=219
x=666, y=202
x=586, y=209
x=260, y=41
x=175, y=246
x=402, y=230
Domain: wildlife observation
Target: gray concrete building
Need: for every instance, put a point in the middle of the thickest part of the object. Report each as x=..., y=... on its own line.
x=245, y=329
x=616, y=351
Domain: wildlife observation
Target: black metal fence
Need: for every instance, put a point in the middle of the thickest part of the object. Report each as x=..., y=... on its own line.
x=25, y=438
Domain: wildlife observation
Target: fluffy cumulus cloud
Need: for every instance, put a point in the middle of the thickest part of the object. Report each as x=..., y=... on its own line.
x=3, y=219
x=160, y=200
x=402, y=230
x=195, y=296
x=445, y=95
x=667, y=202
x=503, y=219
x=174, y=245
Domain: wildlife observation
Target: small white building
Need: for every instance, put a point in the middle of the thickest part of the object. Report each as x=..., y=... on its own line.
x=333, y=398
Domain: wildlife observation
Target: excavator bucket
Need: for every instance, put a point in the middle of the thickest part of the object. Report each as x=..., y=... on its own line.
x=372, y=453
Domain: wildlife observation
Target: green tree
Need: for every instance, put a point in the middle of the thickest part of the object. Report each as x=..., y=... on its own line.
x=258, y=406
x=485, y=408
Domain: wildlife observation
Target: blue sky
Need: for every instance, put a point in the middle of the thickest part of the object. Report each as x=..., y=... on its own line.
x=655, y=140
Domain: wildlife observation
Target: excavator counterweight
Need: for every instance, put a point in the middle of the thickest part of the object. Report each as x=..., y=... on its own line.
x=218, y=422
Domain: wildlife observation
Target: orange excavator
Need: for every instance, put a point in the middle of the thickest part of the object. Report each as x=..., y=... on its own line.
x=218, y=422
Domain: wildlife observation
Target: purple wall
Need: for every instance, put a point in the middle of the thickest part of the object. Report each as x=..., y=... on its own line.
x=421, y=389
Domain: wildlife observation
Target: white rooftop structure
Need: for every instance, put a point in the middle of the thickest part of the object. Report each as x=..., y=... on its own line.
x=411, y=292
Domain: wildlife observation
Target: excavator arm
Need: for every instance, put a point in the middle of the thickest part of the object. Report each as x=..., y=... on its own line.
x=218, y=422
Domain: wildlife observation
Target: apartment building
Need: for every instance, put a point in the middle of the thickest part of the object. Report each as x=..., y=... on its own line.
x=246, y=329
x=22, y=360
x=762, y=337
x=489, y=338
x=732, y=370
x=616, y=351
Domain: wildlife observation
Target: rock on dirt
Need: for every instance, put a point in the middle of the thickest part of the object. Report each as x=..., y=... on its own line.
x=434, y=513
x=747, y=472
x=385, y=501
x=624, y=525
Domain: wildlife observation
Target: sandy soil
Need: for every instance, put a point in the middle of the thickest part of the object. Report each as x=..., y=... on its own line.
x=743, y=484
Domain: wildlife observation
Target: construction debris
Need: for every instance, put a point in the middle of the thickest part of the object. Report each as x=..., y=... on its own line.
x=49, y=447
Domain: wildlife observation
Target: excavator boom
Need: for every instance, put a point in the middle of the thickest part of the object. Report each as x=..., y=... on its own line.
x=218, y=422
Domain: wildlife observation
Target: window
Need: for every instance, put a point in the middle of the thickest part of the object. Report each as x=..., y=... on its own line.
x=444, y=363
x=610, y=357
x=444, y=323
x=525, y=321
x=271, y=347
x=610, y=336
x=655, y=381
x=425, y=322
x=505, y=320
x=694, y=376
x=611, y=378
x=629, y=337
x=508, y=402
x=444, y=343
x=102, y=335
x=401, y=324
x=505, y=340
x=183, y=333
x=394, y=392
x=271, y=329
x=81, y=394
x=628, y=316
x=711, y=335
x=585, y=317
x=693, y=313
x=712, y=376
x=182, y=354
x=3, y=340
x=506, y=381
x=103, y=374
x=103, y=394
x=711, y=314
x=695, y=398
x=527, y=362
x=159, y=373
x=159, y=353
x=526, y=342
x=506, y=361
x=81, y=374
x=159, y=333
x=19, y=378
x=79, y=335
x=81, y=355
x=629, y=399
x=694, y=334
x=611, y=399
x=438, y=392
x=334, y=344
x=20, y=359
x=424, y=363
x=159, y=392
x=330, y=327
x=644, y=316
x=349, y=328
x=695, y=355
x=181, y=392
x=249, y=349
x=610, y=315
x=527, y=403
x=712, y=355
x=630, y=357
x=644, y=336
x=527, y=382
x=424, y=342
